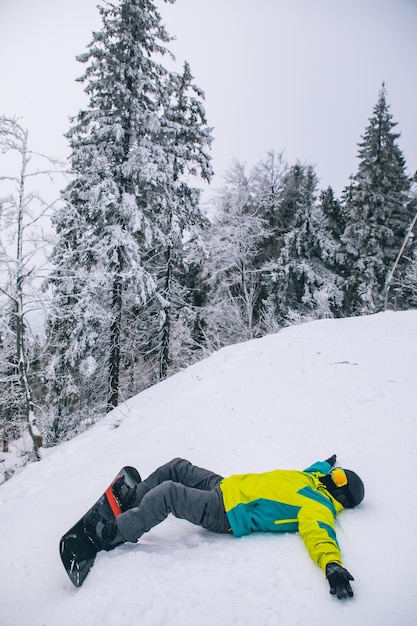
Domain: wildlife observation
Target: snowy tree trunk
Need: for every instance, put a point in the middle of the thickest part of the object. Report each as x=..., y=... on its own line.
x=166, y=320
x=115, y=331
x=5, y=447
x=22, y=363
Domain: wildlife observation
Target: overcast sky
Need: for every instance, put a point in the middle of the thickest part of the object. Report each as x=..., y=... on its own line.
x=297, y=76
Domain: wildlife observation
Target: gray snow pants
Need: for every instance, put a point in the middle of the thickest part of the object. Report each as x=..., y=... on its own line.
x=185, y=490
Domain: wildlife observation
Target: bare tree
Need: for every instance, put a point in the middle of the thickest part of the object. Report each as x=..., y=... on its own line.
x=21, y=211
x=232, y=244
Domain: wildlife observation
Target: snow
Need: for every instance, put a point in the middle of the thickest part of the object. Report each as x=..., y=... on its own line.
x=283, y=401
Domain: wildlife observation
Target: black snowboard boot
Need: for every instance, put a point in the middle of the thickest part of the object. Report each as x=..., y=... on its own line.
x=124, y=494
x=104, y=532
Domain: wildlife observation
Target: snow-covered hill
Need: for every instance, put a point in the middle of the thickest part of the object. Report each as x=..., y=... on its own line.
x=344, y=386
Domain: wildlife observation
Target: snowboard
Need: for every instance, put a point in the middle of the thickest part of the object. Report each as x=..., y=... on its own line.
x=79, y=546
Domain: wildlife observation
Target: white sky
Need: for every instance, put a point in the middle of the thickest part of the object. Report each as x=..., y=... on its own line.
x=298, y=76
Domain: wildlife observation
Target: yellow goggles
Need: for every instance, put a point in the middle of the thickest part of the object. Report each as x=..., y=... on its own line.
x=339, y=477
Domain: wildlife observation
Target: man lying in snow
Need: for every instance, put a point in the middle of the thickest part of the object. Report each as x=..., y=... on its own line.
x=280, y=500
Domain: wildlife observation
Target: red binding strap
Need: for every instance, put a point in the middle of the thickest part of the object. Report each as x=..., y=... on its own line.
x=114, y=505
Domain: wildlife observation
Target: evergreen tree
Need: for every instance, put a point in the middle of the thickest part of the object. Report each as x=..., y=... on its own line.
x=305, y=283
x=76, y=333
x=127, y=205
x=185, y=138
x=377, y=213
x=331, y=248
x=333, y=211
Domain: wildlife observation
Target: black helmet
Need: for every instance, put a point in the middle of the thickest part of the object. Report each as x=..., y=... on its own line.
x=349, y=491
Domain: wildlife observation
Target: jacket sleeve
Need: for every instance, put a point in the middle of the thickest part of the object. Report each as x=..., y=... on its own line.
x=316, y=528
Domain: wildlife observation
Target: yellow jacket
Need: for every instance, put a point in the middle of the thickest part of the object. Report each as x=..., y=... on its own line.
x=286, y=501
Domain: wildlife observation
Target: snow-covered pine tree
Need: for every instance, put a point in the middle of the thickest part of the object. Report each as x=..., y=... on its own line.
x=76, y=327
x=185, y=139
x=113, y=143
x=377, y=213
x=123, y=203
x=330, y=245
x=334, y=213
x=305, y=285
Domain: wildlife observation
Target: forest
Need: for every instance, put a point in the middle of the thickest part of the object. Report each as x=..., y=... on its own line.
x=144, y=279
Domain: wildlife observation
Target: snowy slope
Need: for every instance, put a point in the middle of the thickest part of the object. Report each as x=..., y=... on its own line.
x=344, y=386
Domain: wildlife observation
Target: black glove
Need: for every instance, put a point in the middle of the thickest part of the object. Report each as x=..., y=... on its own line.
x=339, y=578
x=332, y=460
